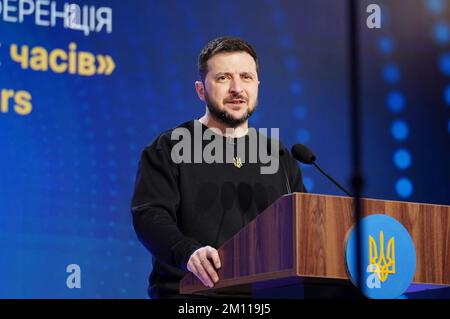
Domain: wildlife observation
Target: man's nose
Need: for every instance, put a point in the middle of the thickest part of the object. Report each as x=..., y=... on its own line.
x=236, y=86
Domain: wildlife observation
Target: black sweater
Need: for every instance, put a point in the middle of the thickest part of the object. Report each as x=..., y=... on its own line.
x=178, y=208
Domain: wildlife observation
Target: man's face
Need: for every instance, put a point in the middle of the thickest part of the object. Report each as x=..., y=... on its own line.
x=230, y=88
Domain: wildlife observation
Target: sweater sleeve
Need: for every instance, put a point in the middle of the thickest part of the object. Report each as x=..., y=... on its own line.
x=154, y=207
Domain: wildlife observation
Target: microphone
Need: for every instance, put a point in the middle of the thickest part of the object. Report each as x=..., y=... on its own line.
x=303, y=154
x=281, y=153
x=286, y=178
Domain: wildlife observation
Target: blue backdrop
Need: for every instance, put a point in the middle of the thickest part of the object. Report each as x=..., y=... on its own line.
x=67, y=167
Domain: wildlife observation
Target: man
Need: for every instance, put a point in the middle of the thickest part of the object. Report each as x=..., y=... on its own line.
x=184, y=210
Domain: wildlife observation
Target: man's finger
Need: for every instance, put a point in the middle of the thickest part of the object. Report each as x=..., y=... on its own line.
x=206, y=263
x=214, y=255
x=202, y=274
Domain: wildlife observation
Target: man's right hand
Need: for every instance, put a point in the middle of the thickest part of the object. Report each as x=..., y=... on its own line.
x=203, y=264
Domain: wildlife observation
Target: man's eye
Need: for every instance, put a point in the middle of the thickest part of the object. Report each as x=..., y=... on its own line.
x=247, y=76
x=221, y=78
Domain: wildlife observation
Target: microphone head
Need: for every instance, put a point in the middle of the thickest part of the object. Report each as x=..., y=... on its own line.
x=303, y=154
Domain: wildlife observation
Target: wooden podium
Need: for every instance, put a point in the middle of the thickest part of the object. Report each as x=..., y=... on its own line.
x=296, y=248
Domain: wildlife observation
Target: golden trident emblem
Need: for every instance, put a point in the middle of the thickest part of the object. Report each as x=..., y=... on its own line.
x=382, y=264
x=237, y=162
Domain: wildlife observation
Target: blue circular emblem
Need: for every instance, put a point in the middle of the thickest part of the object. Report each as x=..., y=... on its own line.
x=388, y=257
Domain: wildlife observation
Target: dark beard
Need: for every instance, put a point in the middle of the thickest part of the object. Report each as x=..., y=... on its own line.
x=225, y=117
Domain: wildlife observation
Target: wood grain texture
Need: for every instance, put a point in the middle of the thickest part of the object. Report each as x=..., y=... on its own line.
x=262, y=250
x=304, y=235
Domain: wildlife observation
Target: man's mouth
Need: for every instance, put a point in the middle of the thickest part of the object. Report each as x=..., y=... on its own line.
x=236, y=102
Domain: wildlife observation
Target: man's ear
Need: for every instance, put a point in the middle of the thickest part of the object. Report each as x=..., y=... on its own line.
x=200, y=88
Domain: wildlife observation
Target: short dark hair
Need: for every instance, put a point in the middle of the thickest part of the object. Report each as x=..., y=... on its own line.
x=223, y=44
